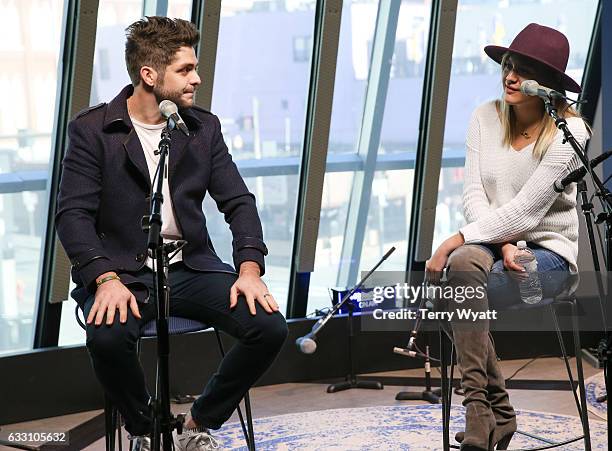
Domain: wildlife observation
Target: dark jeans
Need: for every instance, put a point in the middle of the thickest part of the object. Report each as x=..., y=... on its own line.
x=203, y=296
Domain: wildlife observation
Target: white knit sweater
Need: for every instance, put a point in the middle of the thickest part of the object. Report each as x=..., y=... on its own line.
x=508, y=195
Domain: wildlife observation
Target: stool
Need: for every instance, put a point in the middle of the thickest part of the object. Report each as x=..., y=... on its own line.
x=176, y=326
x=565, y=297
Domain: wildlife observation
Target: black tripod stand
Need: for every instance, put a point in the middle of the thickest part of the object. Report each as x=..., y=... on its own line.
x=429, y=395
x=164, y=422
x=411, y=350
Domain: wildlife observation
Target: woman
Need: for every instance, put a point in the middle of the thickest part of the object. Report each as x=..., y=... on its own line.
x=514, y=155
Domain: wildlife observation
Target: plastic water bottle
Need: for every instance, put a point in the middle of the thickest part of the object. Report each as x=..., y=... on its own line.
x=530, y=288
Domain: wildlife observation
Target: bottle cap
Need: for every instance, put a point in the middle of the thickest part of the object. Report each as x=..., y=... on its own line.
x=522, y=244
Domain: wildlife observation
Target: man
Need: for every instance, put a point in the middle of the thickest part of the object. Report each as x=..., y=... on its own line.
x=104, y=193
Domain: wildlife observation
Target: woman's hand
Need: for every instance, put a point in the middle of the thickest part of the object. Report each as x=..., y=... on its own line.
x=515, y=270
x=436, y=264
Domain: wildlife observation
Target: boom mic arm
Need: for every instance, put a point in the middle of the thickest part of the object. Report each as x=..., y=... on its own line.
x=307, y=343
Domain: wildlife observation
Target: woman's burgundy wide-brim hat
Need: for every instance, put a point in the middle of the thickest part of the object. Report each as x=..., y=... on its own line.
x=543, y=44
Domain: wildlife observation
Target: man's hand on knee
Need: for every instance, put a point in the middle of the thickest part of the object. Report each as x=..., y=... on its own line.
x=250, y=285
x=110, y=296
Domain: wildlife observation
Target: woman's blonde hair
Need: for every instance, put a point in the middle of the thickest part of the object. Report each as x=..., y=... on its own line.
x=548, y=129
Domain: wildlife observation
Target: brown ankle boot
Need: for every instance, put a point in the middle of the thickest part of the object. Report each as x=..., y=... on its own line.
x=479, y=427
x=472, y=349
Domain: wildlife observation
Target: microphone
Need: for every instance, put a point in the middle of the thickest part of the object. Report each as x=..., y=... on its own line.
x=405, y=351
x=533, y=88
x=169, y=110
x=579, y=173
x=572, y=177
x=306, y=344
x=408, y=352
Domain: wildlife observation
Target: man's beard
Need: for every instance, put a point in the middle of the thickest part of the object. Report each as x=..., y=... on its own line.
x=175, y=96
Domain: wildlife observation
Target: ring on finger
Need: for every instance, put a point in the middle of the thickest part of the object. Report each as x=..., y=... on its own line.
x=266, y=295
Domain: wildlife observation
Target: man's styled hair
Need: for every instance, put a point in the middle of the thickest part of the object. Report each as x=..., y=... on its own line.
x=154, y=40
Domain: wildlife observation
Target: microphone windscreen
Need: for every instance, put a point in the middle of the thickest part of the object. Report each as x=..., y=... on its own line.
x=167, y=108
x=530, y=87
x=306, y=345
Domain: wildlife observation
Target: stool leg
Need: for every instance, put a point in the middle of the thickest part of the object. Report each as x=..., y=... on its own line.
x=451, y=378
x=248, y=435
x=244, y=428
x=110, y=415
x=444, y=392
x=568, y=369
x=584, y=416
x=581, y=404
x=119, y=437
x=249, y=415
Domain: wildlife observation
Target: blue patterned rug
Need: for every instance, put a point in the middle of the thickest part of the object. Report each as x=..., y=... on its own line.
x=414, y=428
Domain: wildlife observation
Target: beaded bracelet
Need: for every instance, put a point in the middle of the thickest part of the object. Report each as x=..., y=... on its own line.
x=106, y=279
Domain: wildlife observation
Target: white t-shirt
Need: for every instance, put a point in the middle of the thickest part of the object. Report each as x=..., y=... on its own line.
x=149, y=136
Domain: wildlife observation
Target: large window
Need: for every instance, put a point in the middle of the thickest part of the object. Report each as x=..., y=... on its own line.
x=260, y=92
x=475, y=78
x=29, y=51
x=179, y=9
x=366, y=210
x=109, y=71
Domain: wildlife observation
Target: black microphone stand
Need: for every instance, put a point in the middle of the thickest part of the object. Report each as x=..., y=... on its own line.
x=411, y=350
x=605, y=346
x=351, y=379
x=164, y=422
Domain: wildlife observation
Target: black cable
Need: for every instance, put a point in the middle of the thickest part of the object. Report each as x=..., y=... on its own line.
x=153, y=183
x=527, y=364
x=148, y=217
x=601, y=243
x=594, y=218
x=430, y=357
x=604, y=205
x=521, y=368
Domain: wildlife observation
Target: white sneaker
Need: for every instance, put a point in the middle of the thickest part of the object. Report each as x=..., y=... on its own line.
x=140, y=442
x=198, y=439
